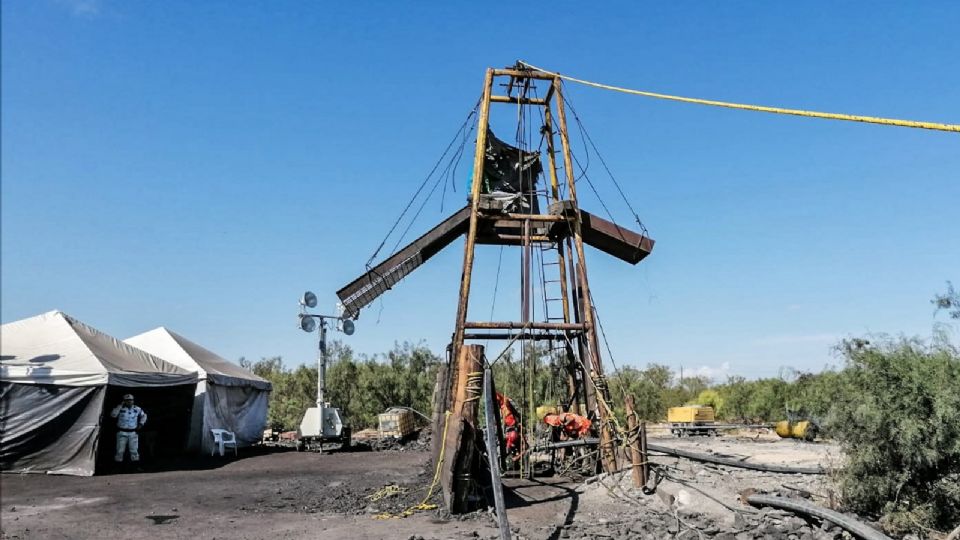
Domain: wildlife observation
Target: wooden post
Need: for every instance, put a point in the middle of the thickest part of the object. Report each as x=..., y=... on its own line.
x=461, y=430
x=469, y=244
x=633, y=436
x=440, y=390
x=645, y=469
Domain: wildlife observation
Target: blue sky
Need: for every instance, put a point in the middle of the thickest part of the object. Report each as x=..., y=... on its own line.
x=198, y=165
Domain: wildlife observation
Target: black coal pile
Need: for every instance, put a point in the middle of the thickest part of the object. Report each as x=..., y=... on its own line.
x=416, y=442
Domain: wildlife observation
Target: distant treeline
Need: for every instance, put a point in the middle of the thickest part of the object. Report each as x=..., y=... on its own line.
x=894, y=406
x=364, y=386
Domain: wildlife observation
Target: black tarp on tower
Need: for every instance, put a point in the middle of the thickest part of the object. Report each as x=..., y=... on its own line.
x=510, y=170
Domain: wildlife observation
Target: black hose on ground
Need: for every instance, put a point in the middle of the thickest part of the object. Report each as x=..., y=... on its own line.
x=696, y=456
x=807, y=508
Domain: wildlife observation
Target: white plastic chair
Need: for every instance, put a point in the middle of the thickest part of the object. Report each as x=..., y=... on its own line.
x=222, y=438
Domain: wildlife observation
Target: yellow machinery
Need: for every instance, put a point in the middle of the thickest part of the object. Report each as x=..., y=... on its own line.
x=803, y=429
x=691, y=420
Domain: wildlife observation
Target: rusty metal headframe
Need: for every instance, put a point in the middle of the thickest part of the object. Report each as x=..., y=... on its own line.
x=485, y=221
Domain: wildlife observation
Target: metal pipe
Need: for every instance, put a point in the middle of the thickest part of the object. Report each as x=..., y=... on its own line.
x=510, y=325
x=508, y=335
x=513, y=99
x=587, y=441
x=807, y=508
x=707, y=458
x=493, y=453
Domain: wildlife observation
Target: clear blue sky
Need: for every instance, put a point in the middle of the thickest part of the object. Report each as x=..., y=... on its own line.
x=198, y=164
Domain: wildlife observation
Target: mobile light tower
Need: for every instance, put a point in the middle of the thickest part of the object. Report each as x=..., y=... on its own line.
x=323, y=423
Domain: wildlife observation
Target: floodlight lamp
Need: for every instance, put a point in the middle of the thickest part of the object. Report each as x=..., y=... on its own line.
x=308, y=299
x=348, y=327
x=307, y=323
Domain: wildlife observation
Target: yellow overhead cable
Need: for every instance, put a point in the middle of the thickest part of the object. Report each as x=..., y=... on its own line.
x=776, y=110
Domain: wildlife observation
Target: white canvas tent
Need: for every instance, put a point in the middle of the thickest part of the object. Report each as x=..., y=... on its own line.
x=58, y=379
x=228, y=396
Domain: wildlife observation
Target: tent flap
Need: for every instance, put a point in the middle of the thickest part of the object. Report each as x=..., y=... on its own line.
x=49, y=428
x=242, y=410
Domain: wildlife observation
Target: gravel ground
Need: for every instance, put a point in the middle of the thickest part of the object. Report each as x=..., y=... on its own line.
x=285, y=494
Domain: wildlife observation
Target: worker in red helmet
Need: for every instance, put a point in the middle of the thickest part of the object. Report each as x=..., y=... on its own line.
x=573, y=425
x=511, y=425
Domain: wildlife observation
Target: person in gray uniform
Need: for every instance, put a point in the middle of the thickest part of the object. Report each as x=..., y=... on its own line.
x=130, y=419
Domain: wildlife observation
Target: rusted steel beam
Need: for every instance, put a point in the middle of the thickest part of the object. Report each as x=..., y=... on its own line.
x=514, y=99
x=511, y=325
x=366, y=288
x=613, y=239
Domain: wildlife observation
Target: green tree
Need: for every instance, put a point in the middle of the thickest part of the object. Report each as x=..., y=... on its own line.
x=898, y=420
x=948, y=301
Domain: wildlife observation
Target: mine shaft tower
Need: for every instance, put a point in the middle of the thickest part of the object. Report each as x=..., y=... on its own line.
x=504, y=210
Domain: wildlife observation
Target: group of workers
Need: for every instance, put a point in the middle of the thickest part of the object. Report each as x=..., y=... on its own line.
x=569, y=425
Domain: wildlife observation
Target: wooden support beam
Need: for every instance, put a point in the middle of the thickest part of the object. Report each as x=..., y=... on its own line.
x=524, y=74
x=633, y=437
x=483, y=120
x=461, y=431
x=440, y=389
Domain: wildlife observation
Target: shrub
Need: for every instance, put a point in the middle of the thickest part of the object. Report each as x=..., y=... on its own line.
x=898, y=419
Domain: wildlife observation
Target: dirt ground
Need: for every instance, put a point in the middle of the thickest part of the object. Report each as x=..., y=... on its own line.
x=285, y=494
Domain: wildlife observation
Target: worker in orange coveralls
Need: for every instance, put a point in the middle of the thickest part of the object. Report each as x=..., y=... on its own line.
x=511, y=423
x=574, y=426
